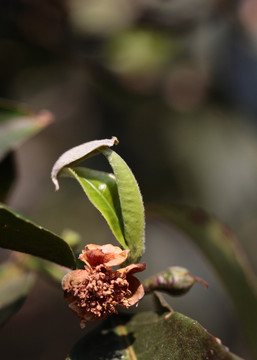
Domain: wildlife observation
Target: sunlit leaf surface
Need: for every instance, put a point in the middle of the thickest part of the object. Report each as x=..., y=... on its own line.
x=101, y=189
x=20, y=234
x=116, y=196
x=131, y=202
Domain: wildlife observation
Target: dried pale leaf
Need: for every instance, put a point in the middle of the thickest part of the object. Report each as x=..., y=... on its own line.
x=78, y=154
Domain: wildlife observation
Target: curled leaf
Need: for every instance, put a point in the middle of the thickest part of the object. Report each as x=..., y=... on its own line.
x=116, y=196
x=78, y=154
x=175, y=281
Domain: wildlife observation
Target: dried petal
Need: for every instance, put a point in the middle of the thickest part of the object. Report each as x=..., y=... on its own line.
x=95, y=293
x=136, y=288
x=131, y=269
x=108, y=255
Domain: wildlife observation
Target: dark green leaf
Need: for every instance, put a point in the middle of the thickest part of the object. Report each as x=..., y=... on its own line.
x=174, y=281
x=101, y=189
x=171, y=336
x=131, y=203
x=15, y=284
x=222, y=249
x=20, y=234
x=17, y=124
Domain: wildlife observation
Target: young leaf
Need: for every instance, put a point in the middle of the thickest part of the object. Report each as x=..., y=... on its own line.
x=132, y=208
x=17, y=124
x=78, y=154
x=124, y=213
x=101, y=189
x=148, y=336
x=20, y=234
x=174, y=281
x=221, y=247
x=15, y=284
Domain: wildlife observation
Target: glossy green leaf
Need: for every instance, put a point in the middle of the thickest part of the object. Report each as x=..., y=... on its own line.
x=147, y=335
x=132, y=208
x=101, y=189
x=79, y=153
x=222, y=249
x=175, y=280
x=20, y=234
x=17, y=124
x=15, y=284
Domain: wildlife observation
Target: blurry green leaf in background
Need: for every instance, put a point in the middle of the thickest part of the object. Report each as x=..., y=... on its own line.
x=221, y=247
x=17, y=124
x=15, y=284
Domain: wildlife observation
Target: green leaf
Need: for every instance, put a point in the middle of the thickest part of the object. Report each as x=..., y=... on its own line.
x=132, y=208
x=145, y=336
x=101, y=189
x=223, y=250
x=20, y=234
x=17, y=124
x=15, y=284
x=78, y=154
x=124, y=215
x=174, y=281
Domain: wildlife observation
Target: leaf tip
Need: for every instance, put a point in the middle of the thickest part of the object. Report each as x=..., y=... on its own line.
x=78, y=154
x=115, y=140
x=54, y=179
x=201, y=281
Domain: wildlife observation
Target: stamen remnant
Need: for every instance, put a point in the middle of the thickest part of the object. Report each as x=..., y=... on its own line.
x=94, y=293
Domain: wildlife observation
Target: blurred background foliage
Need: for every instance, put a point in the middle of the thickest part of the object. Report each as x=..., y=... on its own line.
x=176, y=82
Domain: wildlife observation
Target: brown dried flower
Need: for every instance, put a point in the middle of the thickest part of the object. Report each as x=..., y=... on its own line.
x=94, y=293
